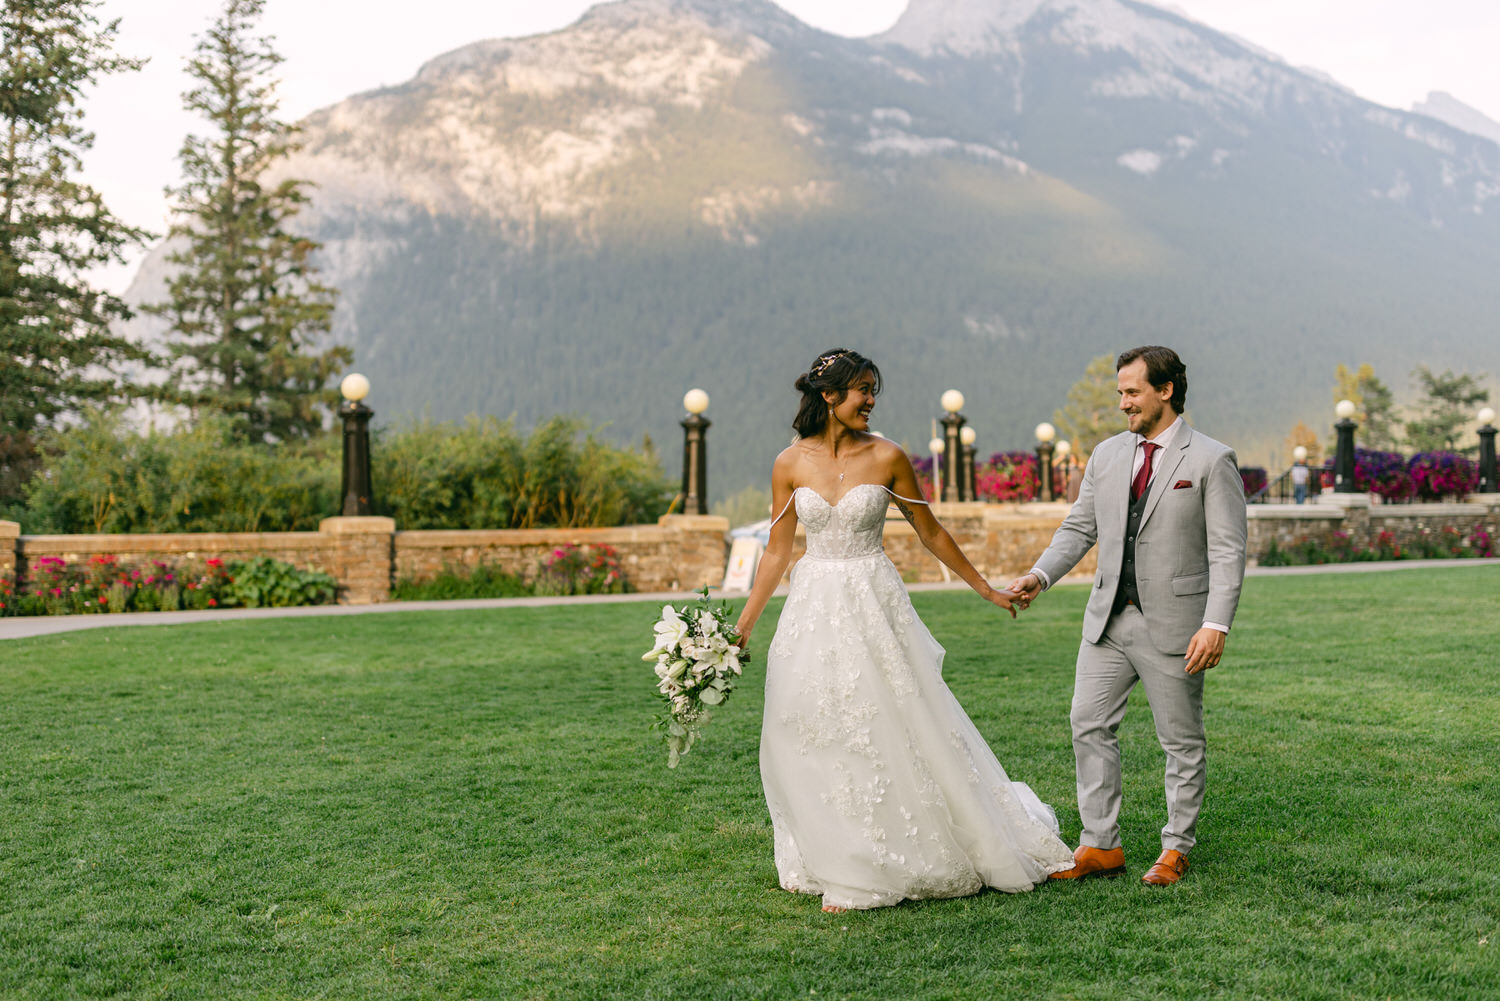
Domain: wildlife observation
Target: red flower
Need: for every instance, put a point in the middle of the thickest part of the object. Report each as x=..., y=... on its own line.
x=212, y=603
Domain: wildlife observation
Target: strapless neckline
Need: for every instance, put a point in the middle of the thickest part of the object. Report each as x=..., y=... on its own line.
x=841, y=500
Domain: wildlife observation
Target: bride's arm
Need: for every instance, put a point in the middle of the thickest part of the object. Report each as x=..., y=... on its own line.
x=935, y=537
x=773, y=562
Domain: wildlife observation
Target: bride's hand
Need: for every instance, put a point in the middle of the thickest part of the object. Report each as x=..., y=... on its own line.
x=1005, y=599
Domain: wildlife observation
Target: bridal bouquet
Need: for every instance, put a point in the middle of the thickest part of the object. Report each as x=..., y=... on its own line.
x=697, y=662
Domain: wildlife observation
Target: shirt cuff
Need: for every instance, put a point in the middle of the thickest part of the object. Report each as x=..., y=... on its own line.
x=1046, y=583
x=1215, y=625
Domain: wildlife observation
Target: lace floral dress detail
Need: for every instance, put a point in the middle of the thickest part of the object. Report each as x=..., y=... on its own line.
x=880, y=788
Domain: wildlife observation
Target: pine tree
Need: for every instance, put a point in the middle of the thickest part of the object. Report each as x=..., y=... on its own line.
x=1092, y=413
x=1449, y=402
x=1375, y=407
x=246, y=309
x=56, y=349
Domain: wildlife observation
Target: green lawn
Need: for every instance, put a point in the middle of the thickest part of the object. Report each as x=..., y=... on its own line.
x=469, y=804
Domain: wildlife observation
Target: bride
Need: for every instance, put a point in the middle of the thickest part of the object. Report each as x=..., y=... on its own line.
x=880, y=788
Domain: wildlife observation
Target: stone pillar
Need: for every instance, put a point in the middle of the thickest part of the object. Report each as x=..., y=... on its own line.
x=361, y=557
x=698, y=550
x=10, y=552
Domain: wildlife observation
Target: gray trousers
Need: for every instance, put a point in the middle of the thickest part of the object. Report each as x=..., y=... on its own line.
x=1106, y=673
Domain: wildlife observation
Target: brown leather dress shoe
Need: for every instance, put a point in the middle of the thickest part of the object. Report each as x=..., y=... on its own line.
x=1167, y=870
x=1090, y=862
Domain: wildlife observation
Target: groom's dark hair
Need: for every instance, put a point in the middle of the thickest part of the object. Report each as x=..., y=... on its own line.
x=1162, y=367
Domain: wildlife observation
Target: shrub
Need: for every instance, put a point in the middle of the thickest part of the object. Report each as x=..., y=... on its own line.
x=1436, y=475
x=100, y=476
x=1008, y=476
x=1381, y=473
x=484, y=474
x=1254, y=479
x=263, y=582
x=571, y=569
x=483, y=581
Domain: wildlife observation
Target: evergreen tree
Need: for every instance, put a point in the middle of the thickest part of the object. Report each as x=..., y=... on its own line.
x=1448, y=404
x=246, y=309
x=1375, y=407
x=56, y=349
x=1092, y=412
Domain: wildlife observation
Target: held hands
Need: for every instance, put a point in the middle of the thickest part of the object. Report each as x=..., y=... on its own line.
x=1025, y=589
x=1204, y=650
x=1006, y=599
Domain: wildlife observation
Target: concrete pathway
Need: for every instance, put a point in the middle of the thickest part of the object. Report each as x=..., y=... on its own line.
x=22, y=627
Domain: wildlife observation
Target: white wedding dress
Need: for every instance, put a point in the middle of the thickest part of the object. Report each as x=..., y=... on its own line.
x=879, y=786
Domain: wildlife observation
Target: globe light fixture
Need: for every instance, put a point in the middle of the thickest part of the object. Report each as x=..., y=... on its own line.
x=1487, y=416
x=1064, y=448
x=1299, y=454
x=935, y=446
x=967, y=435
x=355, y=387
x=695, y=453
x=955, y=483
x=1344, y=410
x=356, y=489
x=952, y=401
x=1045, y=432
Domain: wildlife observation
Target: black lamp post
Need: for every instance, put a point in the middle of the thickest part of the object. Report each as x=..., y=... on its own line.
x=358, y=496
x=1063, y=451
x=1343, y=456
x=954, y=482
x=967, y=436
x=695, y=453
x=1045, y=433
x=1487, y=452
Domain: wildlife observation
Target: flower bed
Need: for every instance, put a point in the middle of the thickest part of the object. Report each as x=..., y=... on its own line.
x=1439, y=475
x=105, y=584
x=1445, y=543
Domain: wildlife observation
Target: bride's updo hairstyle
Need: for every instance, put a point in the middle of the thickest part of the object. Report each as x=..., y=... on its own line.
x=834, y=370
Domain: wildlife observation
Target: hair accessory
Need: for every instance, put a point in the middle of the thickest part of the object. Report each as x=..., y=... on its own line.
x=825, y=361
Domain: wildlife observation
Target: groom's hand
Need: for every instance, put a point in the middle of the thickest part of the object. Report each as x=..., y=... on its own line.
x=1204, y=650
x=1026, y=588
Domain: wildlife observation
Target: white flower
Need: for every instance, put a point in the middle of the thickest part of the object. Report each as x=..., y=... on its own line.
x=671, y=630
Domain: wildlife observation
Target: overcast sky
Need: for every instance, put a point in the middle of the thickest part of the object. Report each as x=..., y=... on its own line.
x=1390, y=51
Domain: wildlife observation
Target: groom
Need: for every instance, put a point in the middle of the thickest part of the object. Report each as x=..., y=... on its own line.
x=1166, y=506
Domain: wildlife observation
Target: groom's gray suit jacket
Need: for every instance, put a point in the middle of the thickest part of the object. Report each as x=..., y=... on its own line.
x=1189, y=550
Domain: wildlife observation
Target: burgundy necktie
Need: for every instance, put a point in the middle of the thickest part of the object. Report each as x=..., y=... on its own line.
x=1143, y=475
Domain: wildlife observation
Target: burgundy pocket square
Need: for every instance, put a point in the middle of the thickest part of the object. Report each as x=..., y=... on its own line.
x=1183, y=485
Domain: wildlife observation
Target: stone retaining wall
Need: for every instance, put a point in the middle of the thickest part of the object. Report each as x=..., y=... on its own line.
x=367, y=555
x=685, y=552
x=1291, y=525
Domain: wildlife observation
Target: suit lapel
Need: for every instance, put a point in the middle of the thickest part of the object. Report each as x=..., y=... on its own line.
x=1166, y=473
x=1114, y=487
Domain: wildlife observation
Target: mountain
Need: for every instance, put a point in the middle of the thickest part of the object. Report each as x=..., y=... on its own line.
x=1449, y=109
x=676, y=193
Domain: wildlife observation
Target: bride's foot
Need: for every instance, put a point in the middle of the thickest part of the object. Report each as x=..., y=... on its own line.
x=833, y=909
